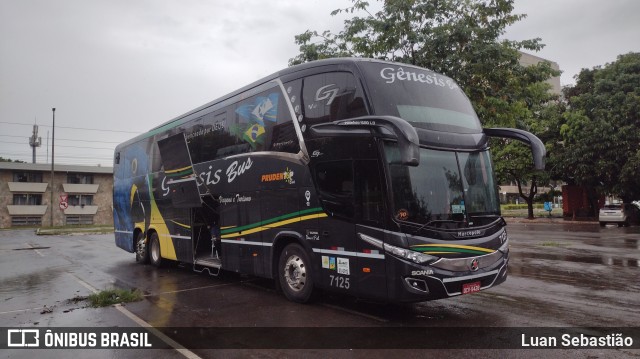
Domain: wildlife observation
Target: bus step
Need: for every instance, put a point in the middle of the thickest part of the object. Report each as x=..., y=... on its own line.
x=210, y=265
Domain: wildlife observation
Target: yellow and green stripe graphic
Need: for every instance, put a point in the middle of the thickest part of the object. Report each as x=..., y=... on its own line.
x=180, y=172
x=450, y=249
x=299, y=216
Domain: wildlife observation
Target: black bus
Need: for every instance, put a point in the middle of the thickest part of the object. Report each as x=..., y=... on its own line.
x=359, y=176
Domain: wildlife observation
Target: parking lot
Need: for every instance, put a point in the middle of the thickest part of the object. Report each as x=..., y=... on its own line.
x=562, y=275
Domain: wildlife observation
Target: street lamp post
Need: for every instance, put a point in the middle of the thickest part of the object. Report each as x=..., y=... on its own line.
x=53, y=136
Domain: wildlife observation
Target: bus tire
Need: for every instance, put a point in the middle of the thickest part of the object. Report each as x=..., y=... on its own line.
x=295, y=274
x=142, y=253
x=155, y=257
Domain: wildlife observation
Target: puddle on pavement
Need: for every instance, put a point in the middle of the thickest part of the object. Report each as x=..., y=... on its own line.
x=29, y=283
x=575, y=279
x=626, y=243
x=604, y=260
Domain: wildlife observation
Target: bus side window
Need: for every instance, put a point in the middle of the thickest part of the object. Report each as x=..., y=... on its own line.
x=263, y=122
x=331, y=96
x=335, y=185
x=195, y=133
x=282, y=135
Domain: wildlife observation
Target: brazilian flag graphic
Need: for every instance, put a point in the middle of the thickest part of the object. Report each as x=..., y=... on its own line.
x=253, y=116
x=253, y=134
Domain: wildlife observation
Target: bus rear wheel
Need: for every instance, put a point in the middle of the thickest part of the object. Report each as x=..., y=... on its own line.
x=142, y=254
x=294, y=272
x=155, y=256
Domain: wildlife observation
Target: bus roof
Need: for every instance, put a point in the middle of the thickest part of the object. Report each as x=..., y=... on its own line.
x=347, y=61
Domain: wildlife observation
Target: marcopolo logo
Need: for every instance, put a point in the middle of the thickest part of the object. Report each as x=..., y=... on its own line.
x=470, y=233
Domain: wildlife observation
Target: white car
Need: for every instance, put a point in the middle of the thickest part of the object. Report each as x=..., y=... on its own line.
x=621, y=214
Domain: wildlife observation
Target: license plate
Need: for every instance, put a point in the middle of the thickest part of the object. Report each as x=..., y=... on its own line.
x=469, y=288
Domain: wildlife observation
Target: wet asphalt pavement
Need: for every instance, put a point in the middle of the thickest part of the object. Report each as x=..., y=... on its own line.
x=561, y=274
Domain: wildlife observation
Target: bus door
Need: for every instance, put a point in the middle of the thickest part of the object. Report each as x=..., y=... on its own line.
x=334, y=181
x=370, y=222
x=351, y=194
x=174, y=221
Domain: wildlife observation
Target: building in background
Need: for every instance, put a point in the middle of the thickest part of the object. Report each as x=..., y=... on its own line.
x=81, y=195
x=528, y=60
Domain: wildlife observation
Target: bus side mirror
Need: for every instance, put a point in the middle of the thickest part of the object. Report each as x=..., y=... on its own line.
x=537, y=147
x=377, y=126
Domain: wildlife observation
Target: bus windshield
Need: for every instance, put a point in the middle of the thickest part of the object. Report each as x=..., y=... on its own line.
x=421, y=97
x=447, y=187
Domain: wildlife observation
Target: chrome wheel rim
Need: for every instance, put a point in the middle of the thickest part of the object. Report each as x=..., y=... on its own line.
x=141, y=247
x=155, y=250
x=295, y=273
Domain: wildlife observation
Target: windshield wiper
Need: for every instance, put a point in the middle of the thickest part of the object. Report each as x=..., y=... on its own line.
x=428, y=224
x=497, y=218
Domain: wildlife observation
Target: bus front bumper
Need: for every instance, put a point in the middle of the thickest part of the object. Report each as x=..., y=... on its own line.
x=416, y=283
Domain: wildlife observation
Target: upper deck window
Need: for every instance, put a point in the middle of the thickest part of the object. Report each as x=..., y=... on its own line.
x=422, y=97
x=260, y=122
x=326, y=97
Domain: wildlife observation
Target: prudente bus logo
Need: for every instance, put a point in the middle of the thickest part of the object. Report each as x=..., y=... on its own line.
x=286, y=176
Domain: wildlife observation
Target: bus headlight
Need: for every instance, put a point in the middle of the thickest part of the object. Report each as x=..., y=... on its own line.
x=413, y=256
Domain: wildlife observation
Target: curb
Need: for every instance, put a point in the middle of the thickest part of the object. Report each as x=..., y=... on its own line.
x=74, y=231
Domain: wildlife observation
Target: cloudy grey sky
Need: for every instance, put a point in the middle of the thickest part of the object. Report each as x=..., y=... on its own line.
x=120, y=65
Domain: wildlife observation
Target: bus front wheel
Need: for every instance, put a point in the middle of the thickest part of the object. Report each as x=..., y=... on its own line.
x=154, y=250
x=294, y=272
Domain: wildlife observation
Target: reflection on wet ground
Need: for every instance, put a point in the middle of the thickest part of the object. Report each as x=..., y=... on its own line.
x=593, y=259
x=582, y=256
x=624, y=243
x=29, y=283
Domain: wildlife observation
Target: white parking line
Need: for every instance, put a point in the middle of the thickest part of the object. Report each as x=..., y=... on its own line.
x=175, y=345
x=20, y=310
x=199, y=288
x=35, y=250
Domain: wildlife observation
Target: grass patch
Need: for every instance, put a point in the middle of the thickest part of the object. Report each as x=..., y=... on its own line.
x=114, y=296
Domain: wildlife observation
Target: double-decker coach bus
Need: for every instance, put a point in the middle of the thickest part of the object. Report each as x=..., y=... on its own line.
x=359, y=176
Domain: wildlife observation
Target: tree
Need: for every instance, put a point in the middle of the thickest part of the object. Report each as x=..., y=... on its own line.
x=2, y=159
x=460, y=39
x=601, y=129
